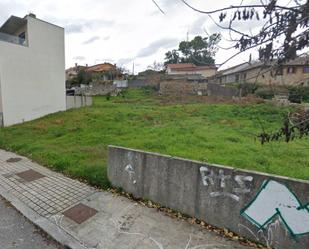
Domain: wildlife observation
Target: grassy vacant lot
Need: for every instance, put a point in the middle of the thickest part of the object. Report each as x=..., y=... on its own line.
x=75, y=142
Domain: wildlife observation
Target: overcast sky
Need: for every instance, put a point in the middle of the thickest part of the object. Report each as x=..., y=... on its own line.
x=123, y=31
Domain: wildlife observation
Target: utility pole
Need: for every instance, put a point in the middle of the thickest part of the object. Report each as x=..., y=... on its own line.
x=187, y=41
x=188, y=35
x=133, y=68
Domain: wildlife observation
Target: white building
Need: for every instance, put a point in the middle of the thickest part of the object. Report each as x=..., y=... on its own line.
x=32, y=69
x=191, y=69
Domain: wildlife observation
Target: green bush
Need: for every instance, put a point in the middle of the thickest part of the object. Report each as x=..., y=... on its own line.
x=247, y=88
x=299, y=94
x=147, y=90
x=265, y=93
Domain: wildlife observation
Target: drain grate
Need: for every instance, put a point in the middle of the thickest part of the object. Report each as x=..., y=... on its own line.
x=80, y=213
x=13, y=160
x=30, y=175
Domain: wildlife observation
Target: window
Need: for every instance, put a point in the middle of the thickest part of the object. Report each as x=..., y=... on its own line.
x=306, y=69
x=279, y=71
x=237, y=78
x=22, y=35
x=291, y=70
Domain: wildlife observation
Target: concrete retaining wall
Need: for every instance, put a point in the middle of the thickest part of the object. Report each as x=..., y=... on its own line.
x=78, y=101
x=266, y=208
x=137, y=83
x=120, y=83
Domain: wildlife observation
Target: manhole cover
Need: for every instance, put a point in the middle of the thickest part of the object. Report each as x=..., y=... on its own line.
x=80, y=213
x=30, y=175
x=13, y=160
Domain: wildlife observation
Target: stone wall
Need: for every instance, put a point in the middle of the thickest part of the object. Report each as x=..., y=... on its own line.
x=97, y=88
x=266, y=208
x=182, y=87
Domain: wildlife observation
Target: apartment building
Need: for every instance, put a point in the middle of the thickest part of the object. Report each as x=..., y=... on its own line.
x=32, y=69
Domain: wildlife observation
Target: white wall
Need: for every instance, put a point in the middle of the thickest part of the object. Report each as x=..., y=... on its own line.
x=33, y=77
x=205, y=73
x=175, y=72
x=78, y=101
x=121, y=83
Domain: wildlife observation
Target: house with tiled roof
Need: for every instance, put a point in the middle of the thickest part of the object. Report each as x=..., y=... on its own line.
x=191, y=69
x=105, y=71
x=102, y=68
x=73, y=71
x=293, y=72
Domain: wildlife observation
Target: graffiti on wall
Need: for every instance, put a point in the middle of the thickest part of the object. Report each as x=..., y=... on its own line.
x=129, y=168
x=210, y=178
x=275, y=200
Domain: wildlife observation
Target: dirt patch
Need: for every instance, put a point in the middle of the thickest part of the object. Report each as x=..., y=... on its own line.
x=147, y=117
x=41, y=126
x=58, y=121
x=227, y=122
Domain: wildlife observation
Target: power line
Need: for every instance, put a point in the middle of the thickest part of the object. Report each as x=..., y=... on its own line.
x=158, y=7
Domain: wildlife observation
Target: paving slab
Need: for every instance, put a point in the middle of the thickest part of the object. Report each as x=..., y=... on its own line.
x=79, y=216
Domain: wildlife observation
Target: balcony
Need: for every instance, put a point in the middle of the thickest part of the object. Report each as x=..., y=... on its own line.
x=13, y=39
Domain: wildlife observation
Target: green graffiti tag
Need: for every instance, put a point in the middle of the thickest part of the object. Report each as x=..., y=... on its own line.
x=275, y=200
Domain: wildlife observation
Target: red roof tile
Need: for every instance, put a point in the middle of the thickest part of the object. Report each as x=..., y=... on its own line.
x=105, y=67
x=181, y=66
x=189, y=67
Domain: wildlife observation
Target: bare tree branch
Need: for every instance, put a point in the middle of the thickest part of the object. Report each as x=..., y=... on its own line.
x=294, y=8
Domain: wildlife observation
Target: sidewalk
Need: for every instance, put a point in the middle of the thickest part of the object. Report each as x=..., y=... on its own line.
x=80, y=216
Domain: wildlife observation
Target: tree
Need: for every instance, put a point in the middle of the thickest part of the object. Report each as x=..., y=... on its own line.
x=83, y=77
x=172, y=57
x=199, y=51
x=156, y=66
x=122, y=71
x=284, y=28
x=295, y=125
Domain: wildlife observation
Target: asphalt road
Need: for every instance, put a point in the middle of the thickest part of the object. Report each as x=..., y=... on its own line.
x=17, y=232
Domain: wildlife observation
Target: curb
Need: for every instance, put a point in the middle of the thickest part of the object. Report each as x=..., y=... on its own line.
x=57, y=233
